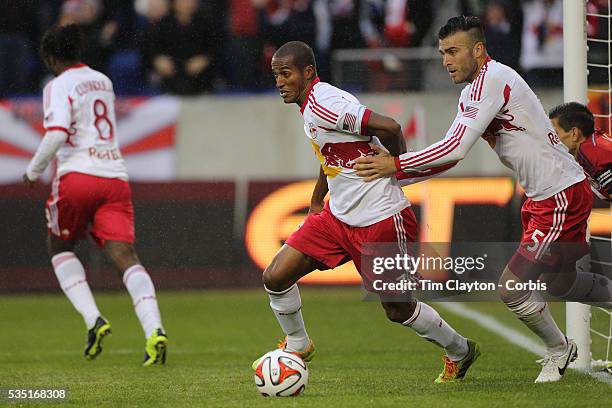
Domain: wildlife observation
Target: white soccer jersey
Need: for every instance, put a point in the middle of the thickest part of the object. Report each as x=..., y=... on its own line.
x=500, y=107
x=81, y=102
x=335, y=123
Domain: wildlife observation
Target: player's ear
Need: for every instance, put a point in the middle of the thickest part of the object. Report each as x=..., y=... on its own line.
x=309, y=72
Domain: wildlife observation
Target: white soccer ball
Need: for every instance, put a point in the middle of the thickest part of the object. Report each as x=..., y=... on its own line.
x=281, y=374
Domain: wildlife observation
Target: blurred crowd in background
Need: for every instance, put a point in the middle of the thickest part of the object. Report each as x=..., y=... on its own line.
x=190, y=47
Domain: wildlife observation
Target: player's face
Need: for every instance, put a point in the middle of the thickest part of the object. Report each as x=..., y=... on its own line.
x=290, y=80
x=459, y=56
x=568, y=137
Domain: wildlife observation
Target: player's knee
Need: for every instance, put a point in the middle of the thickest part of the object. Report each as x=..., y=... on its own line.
x=57, y=246
x=271, y=279
x=122, y=254
x=399, y=312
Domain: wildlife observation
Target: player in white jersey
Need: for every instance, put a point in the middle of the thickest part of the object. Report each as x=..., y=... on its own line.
x=498, y=105
x=357, y=214
x=90, y=190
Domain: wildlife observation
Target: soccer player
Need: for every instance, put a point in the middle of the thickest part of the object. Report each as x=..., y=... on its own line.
x=339, y=129
x=592, y=148
x=90, y=188
x=498, y=105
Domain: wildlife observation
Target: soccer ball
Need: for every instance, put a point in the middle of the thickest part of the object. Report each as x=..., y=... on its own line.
x=281, y=374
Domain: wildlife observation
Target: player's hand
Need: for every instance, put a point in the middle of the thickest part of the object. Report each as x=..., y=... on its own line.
x=382, y=164
x=196, y=65
x=164, y=66
x=29, y=183
x=316, y=208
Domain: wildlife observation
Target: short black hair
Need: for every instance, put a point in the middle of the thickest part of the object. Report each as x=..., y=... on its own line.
x=574, y=115
x=301, y=54
x=64, y=43
x=470, y=24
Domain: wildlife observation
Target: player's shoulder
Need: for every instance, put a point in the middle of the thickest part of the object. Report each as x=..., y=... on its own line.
x=596, y=148
x=327, y=94
x=494, y=71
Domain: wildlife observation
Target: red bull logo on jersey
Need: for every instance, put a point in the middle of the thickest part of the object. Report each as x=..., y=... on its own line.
x=503, y=121
x=344, y=154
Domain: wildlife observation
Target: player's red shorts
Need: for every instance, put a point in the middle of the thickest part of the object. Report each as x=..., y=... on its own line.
x=554, y=230
x=331, y=242
x=78, y=200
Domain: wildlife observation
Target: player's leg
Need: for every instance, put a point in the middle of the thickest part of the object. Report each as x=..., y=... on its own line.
x=68, y=212
x=113, y=229
x=279, y=280
x=71, y=277
x=400, y=230
x=533, y=311
x=142, y=291
x=315, y=245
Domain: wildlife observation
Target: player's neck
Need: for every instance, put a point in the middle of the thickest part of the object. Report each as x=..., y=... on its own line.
x=61, y=67
x=304, y=94
x=481, y=62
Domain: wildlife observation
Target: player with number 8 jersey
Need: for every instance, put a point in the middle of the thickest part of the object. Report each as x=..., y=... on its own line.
x=90, y=191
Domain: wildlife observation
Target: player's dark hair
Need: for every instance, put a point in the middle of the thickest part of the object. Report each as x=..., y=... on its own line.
x=574, y=115
x=301, y=54
x=469, y=24
x=62, y=43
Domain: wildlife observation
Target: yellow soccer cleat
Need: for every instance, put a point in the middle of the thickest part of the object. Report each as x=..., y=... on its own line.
x=305, y=355
x=455, y=370
x=156, y=348
x=95, y=336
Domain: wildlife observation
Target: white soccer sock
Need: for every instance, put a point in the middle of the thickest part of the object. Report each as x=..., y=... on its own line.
x=71, y=276
x=287, y=307
x=592, y=289
x=427, y=323
x=141, y=289
x=532, y=310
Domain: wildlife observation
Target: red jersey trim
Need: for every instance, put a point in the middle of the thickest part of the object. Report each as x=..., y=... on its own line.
x=398, y=166
x=314, y=82
x=364, y=121
x=60, y=128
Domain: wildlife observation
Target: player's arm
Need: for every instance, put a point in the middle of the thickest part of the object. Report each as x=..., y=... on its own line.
x=58, y=112
x=318, y=194
x=50, y=144
x=388, y=131
x=459, y=139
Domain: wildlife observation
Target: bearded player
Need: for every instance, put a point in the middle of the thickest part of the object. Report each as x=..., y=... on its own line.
x=339, y=129
x=498, y=105
x=90, y=189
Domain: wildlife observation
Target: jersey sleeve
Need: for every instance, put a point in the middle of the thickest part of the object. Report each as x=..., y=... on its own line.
x=340, y=114
x=57, y=107
x=477, y=108
x=596, y=160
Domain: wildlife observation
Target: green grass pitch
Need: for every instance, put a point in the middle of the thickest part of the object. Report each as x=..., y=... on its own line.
x=362, y=359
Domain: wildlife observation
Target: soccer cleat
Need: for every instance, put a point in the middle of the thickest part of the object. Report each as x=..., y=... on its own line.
x=156, y=348
x=306, y=355
x=554, y=366
x=95, y=335
x=455, y=370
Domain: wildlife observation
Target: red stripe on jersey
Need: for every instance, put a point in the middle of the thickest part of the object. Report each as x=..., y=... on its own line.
x=427, y=153
x=60, y=128
x=444, y=153
x=507, y=91
x=481, y=85
x=364, y=121
x=314, y=82
x=442, y=150
x=321, y=114
x=326, y=129
x=332, y=114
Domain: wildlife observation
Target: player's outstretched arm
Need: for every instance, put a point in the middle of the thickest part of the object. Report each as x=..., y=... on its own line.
x=318, y=194
x=49, y=145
